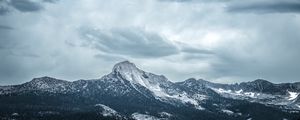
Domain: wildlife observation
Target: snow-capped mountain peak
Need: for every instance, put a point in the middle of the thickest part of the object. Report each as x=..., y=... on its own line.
x=124, y=66
x=128, y=71
x=159, y=85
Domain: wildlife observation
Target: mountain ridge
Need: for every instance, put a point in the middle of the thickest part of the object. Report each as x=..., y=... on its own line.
x=148, y=95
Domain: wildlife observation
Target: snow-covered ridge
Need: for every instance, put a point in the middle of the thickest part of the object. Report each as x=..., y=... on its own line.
x=241, y=93
x=286, y=100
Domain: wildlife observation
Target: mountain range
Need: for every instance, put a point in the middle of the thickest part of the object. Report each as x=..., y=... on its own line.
x=130, y=93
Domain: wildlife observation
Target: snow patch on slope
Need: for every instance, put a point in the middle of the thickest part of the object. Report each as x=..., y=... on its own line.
x=165, y=114
x=107, y=111
x=238, y=92
x=292, y=95
x=183, y=97
x=298, y=106
x=229, y=112
x=241, y=94
x=139, y=116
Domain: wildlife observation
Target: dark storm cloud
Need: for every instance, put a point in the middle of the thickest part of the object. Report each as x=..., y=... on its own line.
x=176, y=0
x=22, y=5
x=193, y=50
x=194, y=1
x=288, y=6
x=132, y=42
x=4, y=27
x=51, y=1
x=185, y=48
x=194, y=53
x=3, y=10
x=25, y=5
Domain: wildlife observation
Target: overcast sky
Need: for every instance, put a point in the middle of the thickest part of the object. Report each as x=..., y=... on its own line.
x=223, y=41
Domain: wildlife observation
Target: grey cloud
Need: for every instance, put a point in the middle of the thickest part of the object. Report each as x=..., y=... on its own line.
x=253, y=46
x=194, y=53
x=197, y=57
x=176, y=0
x=132, y=42
x=193, y=50
x=22, y=5
x=3, y=10
x=288, y=6
x=230, y=64
x=109, y=57
x=194, y=1
x=4, y=27
x=26, y=5
x=24, y=54
x=51, y=1
x=271, y=54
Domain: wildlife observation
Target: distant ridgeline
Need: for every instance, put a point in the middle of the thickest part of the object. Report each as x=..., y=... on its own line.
x=130, y=93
